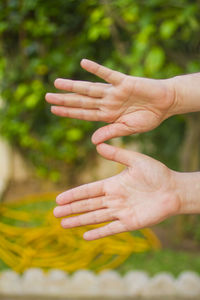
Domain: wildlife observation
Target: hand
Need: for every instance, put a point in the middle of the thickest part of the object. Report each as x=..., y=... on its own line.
x=142, y=195
x=130, y=104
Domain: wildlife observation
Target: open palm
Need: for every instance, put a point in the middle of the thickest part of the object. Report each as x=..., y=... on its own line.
x=130, y=104
x=142, y=195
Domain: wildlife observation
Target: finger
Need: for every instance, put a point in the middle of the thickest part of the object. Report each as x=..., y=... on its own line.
x=119, y=155
x=73, y=100
x=107, y=230
x=94, y=217
x=78, y=113
x=79, y=207
x=106, y=74
x=82, y=87
x=85, y=191
x=110, y=131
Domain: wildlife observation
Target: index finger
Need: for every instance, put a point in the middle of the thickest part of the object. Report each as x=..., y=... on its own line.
x=85, y=191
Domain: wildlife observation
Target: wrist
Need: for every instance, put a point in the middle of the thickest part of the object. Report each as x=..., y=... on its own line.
x=187, y=191
x=186, y=93
x=171, y=97
x=174, y=106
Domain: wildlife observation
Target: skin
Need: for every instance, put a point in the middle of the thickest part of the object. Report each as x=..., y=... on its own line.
x=130, y=104
x=141, y=196
x=146, y=192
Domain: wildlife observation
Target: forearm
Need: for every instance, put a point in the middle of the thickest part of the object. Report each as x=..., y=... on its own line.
x=186, y=94
x=187, y=190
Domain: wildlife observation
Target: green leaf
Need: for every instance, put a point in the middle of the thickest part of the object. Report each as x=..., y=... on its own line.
x=31, y=101
x=3, y=26
x=21, y=91
x=74, y=134
x=154, y=60
x=168, y=28
x=97, y=14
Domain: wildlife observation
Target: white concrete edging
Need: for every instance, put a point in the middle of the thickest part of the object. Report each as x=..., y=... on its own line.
x=106, y=284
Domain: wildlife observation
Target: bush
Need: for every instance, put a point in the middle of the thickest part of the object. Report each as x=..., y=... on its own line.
x=42, y=40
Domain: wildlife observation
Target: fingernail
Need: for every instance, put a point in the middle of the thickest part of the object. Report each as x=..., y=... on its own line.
x=84, y=60
x=85, y=235
x=65, y=223
x=48, y=94
x=53, y=108
x=56, y=211
x=59, y=197
x=56, y=80
x=94, y=139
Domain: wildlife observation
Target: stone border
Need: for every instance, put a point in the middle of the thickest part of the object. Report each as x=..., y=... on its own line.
x=82, y=284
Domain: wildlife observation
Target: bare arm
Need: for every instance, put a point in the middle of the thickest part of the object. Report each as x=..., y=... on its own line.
x=187, y=94
x=188, y=191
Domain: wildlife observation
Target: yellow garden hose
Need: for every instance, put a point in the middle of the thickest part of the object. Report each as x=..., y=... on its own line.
x=30, y=237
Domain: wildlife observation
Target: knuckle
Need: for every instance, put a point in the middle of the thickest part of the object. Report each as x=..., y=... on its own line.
x=100, y=232
x=104, y=202
x=99, y=115
x=111, y=229
x=79, y=221
x=95, y=216
x=87, y=205
x=71, y=209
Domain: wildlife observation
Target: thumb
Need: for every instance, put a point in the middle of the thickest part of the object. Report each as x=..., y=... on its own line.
x=119, y=155
x=110, y=131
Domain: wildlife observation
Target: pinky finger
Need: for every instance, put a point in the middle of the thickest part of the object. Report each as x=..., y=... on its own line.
x=107, y=230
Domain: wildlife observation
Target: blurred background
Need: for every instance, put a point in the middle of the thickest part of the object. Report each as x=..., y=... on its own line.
x=42, y=154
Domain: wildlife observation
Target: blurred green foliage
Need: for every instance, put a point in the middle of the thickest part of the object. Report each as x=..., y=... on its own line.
x=165, y=260
x=43, y=40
